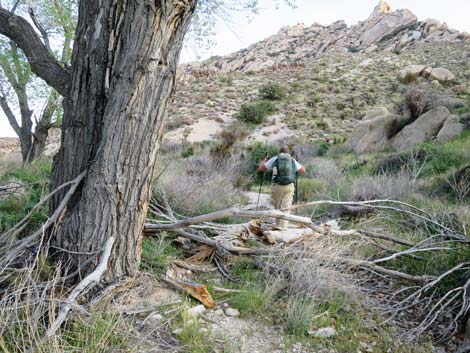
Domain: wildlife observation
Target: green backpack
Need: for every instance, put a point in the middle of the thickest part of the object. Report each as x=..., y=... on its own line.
x=286, y=171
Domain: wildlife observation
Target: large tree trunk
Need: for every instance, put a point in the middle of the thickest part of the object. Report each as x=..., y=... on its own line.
x=123, y=68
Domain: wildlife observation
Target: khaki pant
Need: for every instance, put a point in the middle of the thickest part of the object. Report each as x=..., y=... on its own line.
x=281, y=197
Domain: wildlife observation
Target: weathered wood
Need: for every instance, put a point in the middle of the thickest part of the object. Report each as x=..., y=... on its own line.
x=231, y=212
x=123, y=68
x=89, y=280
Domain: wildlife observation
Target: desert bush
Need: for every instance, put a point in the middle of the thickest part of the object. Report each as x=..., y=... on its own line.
x=458, y=184
x=29, y=306
x=307, y=189
x=394, y=187
x=226, y=80
x=254, y=113
x=197, y=185
x=396, y=163
x=417, y=101
x=324, y=169
x=272, y=91
x=227, y=139
x=410, y=77
x=304, y=151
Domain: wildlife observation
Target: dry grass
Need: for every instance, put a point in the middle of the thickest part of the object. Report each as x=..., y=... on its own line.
x=197, y=185
x=393, y=187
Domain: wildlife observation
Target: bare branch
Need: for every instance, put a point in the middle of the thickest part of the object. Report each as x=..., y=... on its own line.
x=9, y=114
x=88, y=281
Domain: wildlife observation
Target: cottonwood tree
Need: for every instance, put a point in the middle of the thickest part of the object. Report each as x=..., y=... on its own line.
x=116, y=94
x=19, y=87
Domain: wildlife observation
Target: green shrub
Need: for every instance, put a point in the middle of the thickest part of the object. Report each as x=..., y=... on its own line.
x=272, y=91
x=254, y=113
x=308, y=188
x=226, y=80
x=187, y=151
x=324, y=148
x=257, y=151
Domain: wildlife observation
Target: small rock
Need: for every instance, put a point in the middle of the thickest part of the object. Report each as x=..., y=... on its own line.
x=155, y=317
x=219, y=312
x=195, y=311
x=324, y=332
x=225, y=305
x=232, y=312
x=204, y=331
x=178, y=331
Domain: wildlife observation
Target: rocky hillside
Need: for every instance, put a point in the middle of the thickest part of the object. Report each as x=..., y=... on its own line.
x=332, y=76
x=384, y=30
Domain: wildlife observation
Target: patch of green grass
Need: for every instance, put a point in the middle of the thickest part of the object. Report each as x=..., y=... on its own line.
x=157, y=253
x=95, y=334
x=14, y=208
x=252, y=300
x=299, y=314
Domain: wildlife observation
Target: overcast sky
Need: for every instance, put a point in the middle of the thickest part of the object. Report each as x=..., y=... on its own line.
x=240, y=32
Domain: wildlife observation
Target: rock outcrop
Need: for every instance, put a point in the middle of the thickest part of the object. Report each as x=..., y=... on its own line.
x=373, y=132
x=426, y=127
x=442, y=75
x=378, y=130
x=412, y=72
x=451, y=129
x=388, y=25
x=384, y=30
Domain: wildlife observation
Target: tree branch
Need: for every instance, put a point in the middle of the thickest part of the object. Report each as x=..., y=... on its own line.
x=40, y=59
x=10, y=116
x=41, y=29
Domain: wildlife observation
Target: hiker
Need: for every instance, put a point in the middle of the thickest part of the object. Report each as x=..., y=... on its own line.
x=285, y=169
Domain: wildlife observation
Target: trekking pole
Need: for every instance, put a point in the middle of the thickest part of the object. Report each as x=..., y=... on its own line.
x=296, y=191
x=261, y=184
x=296, y=195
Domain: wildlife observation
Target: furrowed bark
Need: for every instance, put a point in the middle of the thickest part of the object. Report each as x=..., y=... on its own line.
x=41, y=60
x=123, y=64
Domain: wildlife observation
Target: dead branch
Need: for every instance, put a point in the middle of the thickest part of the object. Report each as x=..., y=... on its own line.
x=385, y=271
x=386, y=237
x=231, y=212
x=20, y=245
x=147, y=309
x=383, y=205
x=86, y=283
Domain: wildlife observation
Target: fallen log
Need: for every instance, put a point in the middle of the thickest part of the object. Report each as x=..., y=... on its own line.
x=196, y=290
x=231, y=212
